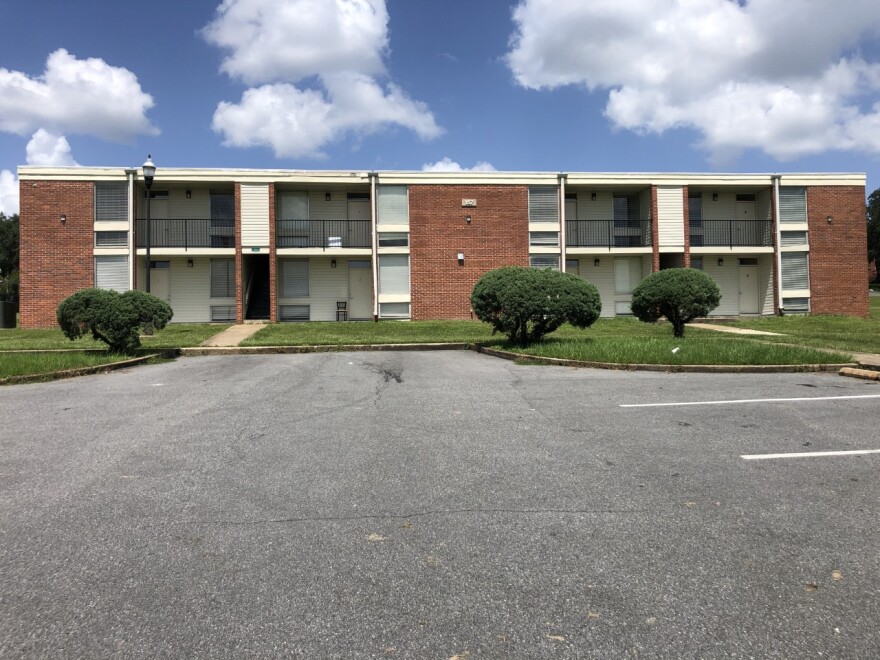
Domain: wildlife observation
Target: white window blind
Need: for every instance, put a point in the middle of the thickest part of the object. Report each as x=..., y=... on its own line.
x=543, y=261
x=394, y=310
x=795, y=270
x=394, y=239
x=394, y=274
x=543, y=204
x=792, y=204
x=222, y=313
x=111, y=273
x=790, y=238
x=294, y=312
x=223, y=278
x=295, y=278
x=393, y=205
x=111, y=202
x=294, y=206
x=111, y=239
x=544, y=238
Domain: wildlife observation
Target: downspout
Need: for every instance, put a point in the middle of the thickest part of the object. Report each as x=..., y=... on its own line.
x=777, y=217
x=562, y=176
x=375, y=239
x=132, y=228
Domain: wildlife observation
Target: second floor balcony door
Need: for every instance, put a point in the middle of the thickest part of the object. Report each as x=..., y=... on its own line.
x=359, y=209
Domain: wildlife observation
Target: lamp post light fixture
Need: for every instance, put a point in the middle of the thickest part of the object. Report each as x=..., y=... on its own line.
x=149, y=172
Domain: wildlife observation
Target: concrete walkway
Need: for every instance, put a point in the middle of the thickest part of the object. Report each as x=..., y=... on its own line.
x=234, y=335
x=735, y=331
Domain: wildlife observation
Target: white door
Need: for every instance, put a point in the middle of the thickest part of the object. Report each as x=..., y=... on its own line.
x=160, y=281
x=745, y=227
x=749, y=301
x=359, y=234
x=360, y=289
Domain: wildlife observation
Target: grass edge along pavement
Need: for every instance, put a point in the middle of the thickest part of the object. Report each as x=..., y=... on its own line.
x=77, y=364
x=610, y=343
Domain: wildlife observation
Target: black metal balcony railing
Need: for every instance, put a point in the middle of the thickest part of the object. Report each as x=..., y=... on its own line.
x=186, y=233
x=323, y=234
x=731, y=233
x=608, y=233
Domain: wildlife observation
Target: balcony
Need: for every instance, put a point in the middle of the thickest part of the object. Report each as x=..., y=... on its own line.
x=731, y=233
x=608, y=233
x=187, y=233
x=323, y=234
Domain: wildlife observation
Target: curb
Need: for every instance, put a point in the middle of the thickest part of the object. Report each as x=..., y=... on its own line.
x=328, y=348
x=73, y=373
x=668, y=368
x=864, y=374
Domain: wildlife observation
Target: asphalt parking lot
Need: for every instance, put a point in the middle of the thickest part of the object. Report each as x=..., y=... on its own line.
x=437, y=505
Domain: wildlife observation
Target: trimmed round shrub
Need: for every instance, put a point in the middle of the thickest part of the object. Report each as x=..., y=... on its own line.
x=679, y=294
x=111, y=317
x=526, y=303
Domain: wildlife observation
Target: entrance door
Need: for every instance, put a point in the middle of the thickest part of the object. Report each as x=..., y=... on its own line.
x=358, y=232
x=745, y=227
x=749, y=301
x=360, y=289
x=160, y=280
x=571, y=227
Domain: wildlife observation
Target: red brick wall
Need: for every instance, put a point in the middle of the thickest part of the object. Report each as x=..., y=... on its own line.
x=838, y=252
x=655, y=232
x=498, y=235
x=56, y=259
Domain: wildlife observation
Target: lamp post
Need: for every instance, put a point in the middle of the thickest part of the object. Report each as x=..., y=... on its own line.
x=149, y=172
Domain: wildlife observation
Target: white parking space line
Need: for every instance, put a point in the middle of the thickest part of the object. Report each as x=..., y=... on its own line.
x=810, y=454
x=735, y=401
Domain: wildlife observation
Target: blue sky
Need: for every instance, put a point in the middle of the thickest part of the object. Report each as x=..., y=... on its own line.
x=551, y=85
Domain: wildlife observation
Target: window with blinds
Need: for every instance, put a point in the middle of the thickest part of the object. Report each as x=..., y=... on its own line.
x=294, y=312
x=543, y=204
x=295, y=278
x=544, y=261
x=111, y=239
x=544, y=238
x=111, y=202
x=223, y=278
x=792, y=204
x=796, y=305
x=392, y=205
x=394, y=274
x=795, y=270
x=394, y=239
x=222, y=313
x=111, y=272
x=791, y=238
x=394, y=310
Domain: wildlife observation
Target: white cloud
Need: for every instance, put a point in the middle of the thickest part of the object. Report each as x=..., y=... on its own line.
x=446, y=164
x=8, y=192
x=780, y=76
x=50, y=150
x=337, y=46
x=272, y=41
x=87, y=97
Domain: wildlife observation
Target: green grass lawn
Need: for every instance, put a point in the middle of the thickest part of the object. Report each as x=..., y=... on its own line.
x=368, y=332
x=697, y=347
x=176, y=335
x=20, y=364
x=839, y=332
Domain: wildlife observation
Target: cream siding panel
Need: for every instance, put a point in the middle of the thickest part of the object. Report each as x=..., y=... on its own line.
x=647, y=264
x=765, y=281
x=645, y=204
x=198, y=207
x=190, y=289
x=326, y=286
x=723, y=209
x=601, y=209
x=670, y=216
x=321, y=209
x=727, y=278
x=254, y=215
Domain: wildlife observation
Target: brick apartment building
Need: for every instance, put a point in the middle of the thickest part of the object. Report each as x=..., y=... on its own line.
x=280, y=245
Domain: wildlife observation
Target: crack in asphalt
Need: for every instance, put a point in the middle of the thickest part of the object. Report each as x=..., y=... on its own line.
x=401, y=516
